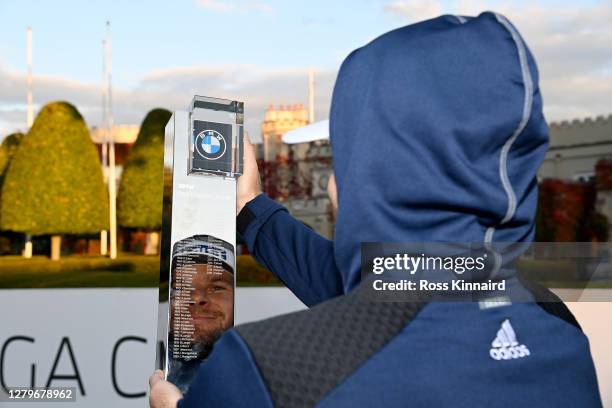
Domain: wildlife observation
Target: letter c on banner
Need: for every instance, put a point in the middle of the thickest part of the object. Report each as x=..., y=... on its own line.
x=114, y=367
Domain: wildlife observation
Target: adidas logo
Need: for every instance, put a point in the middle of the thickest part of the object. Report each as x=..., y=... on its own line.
x=505, y=346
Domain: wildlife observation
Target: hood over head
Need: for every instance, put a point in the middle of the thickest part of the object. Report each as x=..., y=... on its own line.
x=437, y=134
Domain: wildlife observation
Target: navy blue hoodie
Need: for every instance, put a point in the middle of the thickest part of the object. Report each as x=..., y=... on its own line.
x=437, y=134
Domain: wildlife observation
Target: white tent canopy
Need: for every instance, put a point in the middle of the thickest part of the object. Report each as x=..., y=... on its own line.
x=309, y=133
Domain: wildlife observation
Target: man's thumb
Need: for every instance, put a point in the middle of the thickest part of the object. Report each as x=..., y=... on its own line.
x=156, y=377
x=249, y=150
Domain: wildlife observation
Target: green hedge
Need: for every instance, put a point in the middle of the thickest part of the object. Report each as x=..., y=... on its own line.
x=127, y=270
x=8, y=148
x=54, y=183
x=139, y=200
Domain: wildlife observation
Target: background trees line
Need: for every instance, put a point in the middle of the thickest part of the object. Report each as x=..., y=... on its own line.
x=51, y=184
x=52, y=181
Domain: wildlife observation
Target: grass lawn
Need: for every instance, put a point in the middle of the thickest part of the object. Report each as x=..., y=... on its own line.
x=92, y=271
x=128, y=270
x=142, y=271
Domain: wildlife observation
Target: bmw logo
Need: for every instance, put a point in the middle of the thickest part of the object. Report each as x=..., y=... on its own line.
x=210, y=144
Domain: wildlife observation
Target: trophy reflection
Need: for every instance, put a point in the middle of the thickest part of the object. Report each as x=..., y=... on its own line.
x=202, y=160
x=201, y=303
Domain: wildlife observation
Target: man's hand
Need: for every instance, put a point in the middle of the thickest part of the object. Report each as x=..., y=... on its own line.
x=249, y=185
x=163, y=394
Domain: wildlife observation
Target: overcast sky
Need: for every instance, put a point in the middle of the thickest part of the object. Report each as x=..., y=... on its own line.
x=259, y=51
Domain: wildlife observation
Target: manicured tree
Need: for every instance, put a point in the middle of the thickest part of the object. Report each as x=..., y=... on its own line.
x=139, y=201
x=7, y=151
x=54, y=185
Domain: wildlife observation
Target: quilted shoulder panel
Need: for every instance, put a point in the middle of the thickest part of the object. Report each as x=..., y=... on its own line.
x=305, y=355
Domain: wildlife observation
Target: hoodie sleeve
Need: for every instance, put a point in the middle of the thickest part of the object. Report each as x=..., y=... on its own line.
x=302, y=259
x=229, y=377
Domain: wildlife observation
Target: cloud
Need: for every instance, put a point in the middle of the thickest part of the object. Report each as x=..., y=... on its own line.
x=221, y=6
x=259, y=6
x=415, y=9
x=258, y=87
x=571, y=43
x=172, y=89
x=45, y=89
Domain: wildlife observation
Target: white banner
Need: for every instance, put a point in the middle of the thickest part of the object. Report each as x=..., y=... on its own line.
x=100, y=341
x=104, y=339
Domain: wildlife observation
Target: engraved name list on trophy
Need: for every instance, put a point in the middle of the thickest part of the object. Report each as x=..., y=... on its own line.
x=202, y=159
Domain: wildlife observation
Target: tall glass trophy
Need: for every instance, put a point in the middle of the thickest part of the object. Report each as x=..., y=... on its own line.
x=202, y=159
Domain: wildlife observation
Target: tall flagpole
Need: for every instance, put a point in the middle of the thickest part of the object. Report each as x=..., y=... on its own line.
x=27, y=248
x=112, y=180
x=104, y=233
x=311, y=96
x=30, y=109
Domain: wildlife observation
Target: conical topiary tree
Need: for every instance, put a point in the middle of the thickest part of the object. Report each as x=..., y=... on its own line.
x=54, y=184
x=7, y=151
x=139, y=201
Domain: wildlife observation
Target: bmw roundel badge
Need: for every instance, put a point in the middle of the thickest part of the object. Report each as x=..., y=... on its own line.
x=210, y=144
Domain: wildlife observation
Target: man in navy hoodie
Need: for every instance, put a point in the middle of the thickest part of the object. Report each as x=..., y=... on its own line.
x=437, y=134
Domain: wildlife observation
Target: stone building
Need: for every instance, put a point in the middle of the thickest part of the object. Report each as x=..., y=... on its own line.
x=276, y=123
x=296, y=175
x=581, y=151
x=576, y=147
